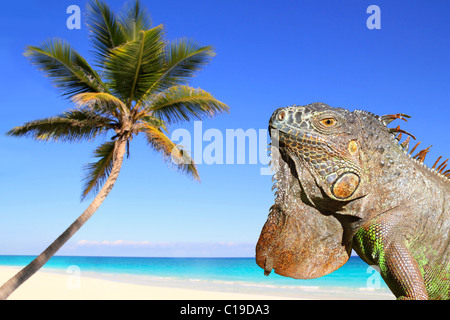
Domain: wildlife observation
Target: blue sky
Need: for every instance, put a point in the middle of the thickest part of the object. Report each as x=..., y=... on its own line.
x=269, y=54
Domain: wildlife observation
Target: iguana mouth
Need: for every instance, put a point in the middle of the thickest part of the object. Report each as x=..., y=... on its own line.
x=304, y=144
x=340, y=176
x=314, y=151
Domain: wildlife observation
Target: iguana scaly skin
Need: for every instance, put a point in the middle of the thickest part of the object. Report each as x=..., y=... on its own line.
x=345, y=182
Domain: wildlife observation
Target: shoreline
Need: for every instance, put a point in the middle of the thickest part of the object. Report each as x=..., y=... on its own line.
x=51, y=284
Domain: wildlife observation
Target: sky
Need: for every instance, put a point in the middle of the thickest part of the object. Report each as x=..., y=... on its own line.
x=270, y=54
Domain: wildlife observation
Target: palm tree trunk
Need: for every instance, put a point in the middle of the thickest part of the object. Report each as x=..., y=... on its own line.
x=23, y=275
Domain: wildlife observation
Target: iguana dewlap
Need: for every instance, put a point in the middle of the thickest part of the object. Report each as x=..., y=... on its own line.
x=345, y=182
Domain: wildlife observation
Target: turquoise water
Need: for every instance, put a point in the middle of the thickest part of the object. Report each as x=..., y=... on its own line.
x=355, y=274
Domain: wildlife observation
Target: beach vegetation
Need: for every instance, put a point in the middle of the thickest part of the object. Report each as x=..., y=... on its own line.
x=136, y=85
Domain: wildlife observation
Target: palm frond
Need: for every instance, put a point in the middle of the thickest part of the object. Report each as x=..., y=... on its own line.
x=183, y=59
x=105, y=29
x=171, y=152
x=148, y=120
x=134, y=18
x=132, y=67
x=183, y=103
x=98, y=172
x=67, y=69
x=71, y=126
x=100, y=102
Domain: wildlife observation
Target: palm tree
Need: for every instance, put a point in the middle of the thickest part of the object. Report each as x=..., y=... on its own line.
x=140, y=88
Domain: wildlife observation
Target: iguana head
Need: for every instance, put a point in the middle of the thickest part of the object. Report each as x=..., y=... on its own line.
x=318, y=172
x=323, y=143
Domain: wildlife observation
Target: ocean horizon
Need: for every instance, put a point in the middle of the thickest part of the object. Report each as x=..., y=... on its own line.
x=226, y=274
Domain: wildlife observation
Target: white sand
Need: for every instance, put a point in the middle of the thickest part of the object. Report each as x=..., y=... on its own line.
x=54, y=286
x=46, y=285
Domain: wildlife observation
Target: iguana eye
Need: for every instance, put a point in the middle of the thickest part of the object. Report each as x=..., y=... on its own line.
x=281, y=115
x=328, y=122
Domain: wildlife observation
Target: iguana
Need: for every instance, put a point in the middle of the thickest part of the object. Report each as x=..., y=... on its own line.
x=344, y=181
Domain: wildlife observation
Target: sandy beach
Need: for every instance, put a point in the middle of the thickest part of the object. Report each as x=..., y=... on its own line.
x=49, y=285
x=46, y=285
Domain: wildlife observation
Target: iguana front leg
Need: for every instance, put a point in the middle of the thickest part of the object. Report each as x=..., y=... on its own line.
x=402, y=274
x=378, y=244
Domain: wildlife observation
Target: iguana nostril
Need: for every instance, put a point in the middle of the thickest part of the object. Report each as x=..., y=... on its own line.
x=281, y=116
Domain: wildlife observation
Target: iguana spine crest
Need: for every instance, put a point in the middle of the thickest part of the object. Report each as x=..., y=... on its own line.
x=419, y=157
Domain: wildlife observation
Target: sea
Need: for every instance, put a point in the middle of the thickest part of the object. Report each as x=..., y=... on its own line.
x=354, y=279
